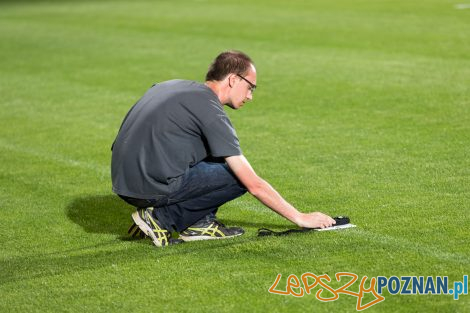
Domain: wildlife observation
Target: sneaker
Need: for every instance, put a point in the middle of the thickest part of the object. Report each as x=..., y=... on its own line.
x=151, y=227
x=209, y=228
x=135, y=231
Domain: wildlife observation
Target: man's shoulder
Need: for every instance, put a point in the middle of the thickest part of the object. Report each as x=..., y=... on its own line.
x=194, y=93
x=182, y=97
x=184, y=86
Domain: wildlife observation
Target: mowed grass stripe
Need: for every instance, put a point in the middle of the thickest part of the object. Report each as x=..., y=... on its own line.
x=101, y=170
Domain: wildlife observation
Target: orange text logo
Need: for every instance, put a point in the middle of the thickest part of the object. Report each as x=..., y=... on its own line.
x=308, y=281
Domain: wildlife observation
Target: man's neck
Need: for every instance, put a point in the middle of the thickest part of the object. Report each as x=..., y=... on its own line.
x=218, y=90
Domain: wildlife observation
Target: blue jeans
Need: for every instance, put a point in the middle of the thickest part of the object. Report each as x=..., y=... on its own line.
x=204, y=187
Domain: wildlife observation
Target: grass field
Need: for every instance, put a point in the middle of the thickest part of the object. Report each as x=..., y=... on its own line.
x=363, y=110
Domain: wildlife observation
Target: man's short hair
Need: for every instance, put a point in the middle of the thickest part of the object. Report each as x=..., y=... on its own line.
x=228, y=62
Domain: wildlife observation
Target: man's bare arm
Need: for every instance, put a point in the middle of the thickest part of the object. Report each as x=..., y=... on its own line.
x=265, y=193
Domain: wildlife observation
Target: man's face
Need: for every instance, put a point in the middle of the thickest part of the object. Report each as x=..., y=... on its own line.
x=242, y=88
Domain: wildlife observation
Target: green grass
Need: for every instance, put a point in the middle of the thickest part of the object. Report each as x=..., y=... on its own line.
x=363, y=110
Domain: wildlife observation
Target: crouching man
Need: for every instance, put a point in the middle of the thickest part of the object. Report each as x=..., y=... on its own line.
x=177, y=158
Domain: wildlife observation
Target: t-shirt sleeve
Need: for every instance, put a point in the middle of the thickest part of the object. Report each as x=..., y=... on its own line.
x=221, y=137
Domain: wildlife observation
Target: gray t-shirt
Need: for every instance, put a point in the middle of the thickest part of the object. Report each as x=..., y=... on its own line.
x=175, y=125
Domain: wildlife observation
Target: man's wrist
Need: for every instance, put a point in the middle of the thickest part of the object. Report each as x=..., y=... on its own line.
x=298, y=218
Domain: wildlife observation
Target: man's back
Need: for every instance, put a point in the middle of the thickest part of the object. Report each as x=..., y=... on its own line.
x=175, y=125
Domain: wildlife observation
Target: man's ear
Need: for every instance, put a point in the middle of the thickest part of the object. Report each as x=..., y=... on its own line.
x=231, y=80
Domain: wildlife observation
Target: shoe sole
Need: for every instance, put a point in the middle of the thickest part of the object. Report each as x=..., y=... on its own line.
x=145, y=228
x=197, y=238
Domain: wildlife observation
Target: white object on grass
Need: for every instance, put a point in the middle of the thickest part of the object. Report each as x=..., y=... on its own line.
x=336, y=227
x=462, y=6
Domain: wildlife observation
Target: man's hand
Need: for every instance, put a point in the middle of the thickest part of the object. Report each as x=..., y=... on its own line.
x=314, y=220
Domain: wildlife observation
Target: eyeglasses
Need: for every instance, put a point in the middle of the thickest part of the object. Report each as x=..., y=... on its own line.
x=252, y=86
